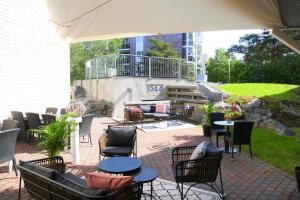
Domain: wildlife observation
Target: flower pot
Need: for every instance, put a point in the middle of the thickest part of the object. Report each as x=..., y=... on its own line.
x=297, y=172
x=206, y=130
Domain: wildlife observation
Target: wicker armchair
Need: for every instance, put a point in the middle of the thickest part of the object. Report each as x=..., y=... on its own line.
x=204, y=170
x=42, y=187
x=107, y=150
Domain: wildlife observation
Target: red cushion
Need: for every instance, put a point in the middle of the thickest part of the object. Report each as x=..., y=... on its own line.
x=106, y=181
x=160, y=108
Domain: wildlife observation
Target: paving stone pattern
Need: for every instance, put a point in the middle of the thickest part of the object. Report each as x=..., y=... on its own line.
x=243, y=178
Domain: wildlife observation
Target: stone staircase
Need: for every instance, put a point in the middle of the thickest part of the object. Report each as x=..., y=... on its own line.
x=185, y=94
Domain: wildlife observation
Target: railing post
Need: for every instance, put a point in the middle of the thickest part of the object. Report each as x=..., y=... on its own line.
x=179, y=70
x=149, y=67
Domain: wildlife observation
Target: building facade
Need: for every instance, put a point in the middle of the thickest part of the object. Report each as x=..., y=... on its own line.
x=187, y=45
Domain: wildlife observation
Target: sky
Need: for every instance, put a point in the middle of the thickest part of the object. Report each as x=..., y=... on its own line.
x=222, y=39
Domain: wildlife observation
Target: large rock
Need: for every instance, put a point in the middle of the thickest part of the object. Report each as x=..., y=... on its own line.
x=79, y=92
x=277, y=126
x=102, y=106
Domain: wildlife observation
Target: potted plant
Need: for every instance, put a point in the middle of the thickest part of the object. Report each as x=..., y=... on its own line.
x=206, y=123
x=54, y=136
x=232, y=113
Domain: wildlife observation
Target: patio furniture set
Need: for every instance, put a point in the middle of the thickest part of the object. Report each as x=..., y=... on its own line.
x=157, y=113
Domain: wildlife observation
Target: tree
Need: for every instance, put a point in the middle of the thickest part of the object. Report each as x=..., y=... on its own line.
x=81, y=52
x=161, y=49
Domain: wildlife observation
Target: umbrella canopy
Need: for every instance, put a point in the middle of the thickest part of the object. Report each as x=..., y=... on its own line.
x=78, y=20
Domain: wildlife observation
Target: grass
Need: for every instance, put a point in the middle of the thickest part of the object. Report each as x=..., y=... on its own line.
x=270, y=91
x=280, y=151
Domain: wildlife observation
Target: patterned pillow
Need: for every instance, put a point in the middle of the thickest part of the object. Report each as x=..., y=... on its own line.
x=160, y=108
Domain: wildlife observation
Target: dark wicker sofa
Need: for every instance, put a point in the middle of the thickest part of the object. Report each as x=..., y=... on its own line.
x=46, y=179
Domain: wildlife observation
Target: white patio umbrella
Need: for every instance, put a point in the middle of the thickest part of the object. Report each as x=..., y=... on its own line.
x=83, y=20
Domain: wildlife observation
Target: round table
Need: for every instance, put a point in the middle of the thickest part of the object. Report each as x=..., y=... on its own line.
x=145, y=175
x=227, y=124
x=119, y=165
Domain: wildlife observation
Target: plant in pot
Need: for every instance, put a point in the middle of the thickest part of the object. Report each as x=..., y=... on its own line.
x=206, y=123
x=54, y=136
x=232, y=113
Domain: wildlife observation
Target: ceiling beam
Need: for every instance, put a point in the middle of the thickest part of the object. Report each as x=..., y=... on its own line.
x=286, y=40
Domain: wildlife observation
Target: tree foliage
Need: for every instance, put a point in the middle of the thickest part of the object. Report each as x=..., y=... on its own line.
x=265, y=59
x=81, y=52
x=161, y=49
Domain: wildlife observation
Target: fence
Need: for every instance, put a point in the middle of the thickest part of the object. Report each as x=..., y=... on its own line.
x=139, y=66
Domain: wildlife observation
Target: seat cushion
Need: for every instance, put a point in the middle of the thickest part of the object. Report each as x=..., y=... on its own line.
x=145, y=108
x=44, y=171
x=107, y=181
x=71, y=183
x=121, y=136
x=75, y=179
x=117, y=151
x=148, y=115
x=212, y=150
x=219, y=131
x=160, y=108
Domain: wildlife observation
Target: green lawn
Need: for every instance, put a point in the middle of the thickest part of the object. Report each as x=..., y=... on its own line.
x=269, y=91
x=280, y=151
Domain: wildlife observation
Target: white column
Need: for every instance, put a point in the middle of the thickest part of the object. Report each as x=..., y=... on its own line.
x=75, y=143
x=10, y=166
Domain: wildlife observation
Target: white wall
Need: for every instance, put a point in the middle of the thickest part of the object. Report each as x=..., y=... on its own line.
x=115, y=90
x=34, y=63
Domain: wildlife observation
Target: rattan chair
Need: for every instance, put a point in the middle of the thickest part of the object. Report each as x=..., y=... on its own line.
x=34, y=122
x=7, y=146
x=48, y=118
x=241, y=135
x=199, y=171
x=107, y=149
x=51, y=110
x=85, y=126
x=9, y=124
x=18, y=116
x=216, y=129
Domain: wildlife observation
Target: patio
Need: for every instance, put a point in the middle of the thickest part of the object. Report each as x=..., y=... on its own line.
x=243, y=178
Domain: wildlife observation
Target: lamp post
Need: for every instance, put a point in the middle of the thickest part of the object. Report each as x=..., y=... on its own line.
x=229, y=62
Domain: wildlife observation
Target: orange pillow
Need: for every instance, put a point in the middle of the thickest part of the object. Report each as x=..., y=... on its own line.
x=106, y=181
x=160, y=108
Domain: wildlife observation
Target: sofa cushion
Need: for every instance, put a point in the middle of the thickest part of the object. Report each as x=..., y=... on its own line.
x=119, y=150
x=67, y=181
x=153, y=108
x=44, y=171
x=160, y=108
x=145, y=108
x=199, y=151
x=121, y=136
x=212, y=150
x=108, y=182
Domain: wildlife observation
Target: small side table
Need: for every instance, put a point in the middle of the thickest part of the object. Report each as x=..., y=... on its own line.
x=145, y=175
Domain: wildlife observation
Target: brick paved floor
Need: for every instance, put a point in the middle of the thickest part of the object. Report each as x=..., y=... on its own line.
x=243, y=178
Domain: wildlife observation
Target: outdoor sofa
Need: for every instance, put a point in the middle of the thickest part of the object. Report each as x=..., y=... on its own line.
x=46, y=179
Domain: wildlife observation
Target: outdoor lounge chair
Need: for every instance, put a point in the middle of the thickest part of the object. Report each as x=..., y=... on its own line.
x=7, y=146
x=118, y=141
x=217, y=129
x=9, y=124
x=85, y=126
x=51, y=110
x=241, y=135
x=18, y=116
x=46, y=179
x=198, y=171
x=34, y=122
x=48, y=118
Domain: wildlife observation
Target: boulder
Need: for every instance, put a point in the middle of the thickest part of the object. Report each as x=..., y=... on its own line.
x=79, y=92
x=277, y=126
x=103, y=107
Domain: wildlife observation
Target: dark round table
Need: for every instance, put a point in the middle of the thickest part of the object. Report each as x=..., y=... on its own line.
x=145, y=175
x=119, y=165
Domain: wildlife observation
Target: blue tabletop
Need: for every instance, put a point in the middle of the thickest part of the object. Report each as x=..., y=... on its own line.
x=119, y=165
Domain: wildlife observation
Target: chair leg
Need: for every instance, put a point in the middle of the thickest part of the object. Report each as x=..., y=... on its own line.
x=217, y=140
x=181, y=193
x=232, y=148
x=20, y=183
x=90, y=139
x=250, y=151
x=15, y=166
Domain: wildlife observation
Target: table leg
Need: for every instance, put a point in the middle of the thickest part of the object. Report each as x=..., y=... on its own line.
x=151, y=189
x=226, y=142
